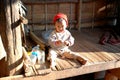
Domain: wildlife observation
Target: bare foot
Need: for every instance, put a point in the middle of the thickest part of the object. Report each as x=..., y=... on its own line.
x=81, y=60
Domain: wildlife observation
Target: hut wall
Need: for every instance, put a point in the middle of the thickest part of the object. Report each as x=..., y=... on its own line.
x=42, y=12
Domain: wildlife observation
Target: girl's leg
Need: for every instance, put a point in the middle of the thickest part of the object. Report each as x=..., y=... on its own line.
x=52, y=57
x=73, y=55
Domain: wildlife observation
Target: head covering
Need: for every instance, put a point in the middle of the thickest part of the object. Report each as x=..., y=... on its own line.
x=60, y=15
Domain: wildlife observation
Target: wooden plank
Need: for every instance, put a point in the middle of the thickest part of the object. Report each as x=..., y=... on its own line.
x=74, y=63
x=105, y=48
x=64, y=63
x=89, y=57
x=111, y=50
x=44, y=71
x=30, y=71
x=84, y=47
x=60, y=63
x=69, y=72
x=82, y=52
x=48, y=22
x=58, y=67
x=115, y=51
x=31, y=2
x=106, y=56
x=92, y=55
x=91, y=48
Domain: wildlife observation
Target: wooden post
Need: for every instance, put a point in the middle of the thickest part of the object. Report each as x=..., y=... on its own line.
x=70, y=26
x=32, y=10
x=79, y=14
x=13, y=38
x=45, y=16
x=93, y=15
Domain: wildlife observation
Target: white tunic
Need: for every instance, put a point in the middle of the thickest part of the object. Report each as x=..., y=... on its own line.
x=63, y=36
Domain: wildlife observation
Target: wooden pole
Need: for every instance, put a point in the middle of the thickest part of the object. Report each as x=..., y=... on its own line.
x=93, y=15
x=32, y=10
x=46, y=16
x=79, y=14
x=9, y=40
x=13, y=37
x=70, y=26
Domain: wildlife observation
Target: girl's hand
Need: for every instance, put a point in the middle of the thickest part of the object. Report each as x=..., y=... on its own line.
x=67, y=43
x=58, y=43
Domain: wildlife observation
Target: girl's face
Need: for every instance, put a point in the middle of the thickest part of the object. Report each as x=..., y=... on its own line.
x=60, y=26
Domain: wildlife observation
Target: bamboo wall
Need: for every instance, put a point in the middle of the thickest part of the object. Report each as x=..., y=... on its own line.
x=81, y=13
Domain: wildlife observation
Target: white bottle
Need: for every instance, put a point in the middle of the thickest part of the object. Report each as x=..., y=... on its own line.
x=33, y=57
x=41, y=57
x=37, y=55
x=34, y=54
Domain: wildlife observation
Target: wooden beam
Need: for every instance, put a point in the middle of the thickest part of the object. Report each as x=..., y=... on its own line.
x=68, y=72
x=48, y=22
x=31, y=2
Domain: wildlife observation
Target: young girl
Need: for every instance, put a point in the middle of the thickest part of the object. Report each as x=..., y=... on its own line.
x=60, y=40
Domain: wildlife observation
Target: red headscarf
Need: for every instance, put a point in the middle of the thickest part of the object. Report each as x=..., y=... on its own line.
x=60, y=15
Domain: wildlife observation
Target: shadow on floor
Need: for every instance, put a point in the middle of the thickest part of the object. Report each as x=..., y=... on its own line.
x=81, y=77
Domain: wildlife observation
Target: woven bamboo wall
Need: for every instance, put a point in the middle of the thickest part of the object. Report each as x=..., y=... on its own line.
x=38, y=13
x=41, y=12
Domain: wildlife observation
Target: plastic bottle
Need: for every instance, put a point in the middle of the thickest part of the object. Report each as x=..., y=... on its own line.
x=34, y=54
x=37, y=55
x=41, y=57
x=33, y=57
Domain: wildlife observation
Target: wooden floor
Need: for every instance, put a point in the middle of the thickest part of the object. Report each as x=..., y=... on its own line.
x=87, y=41
x=99, y=57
